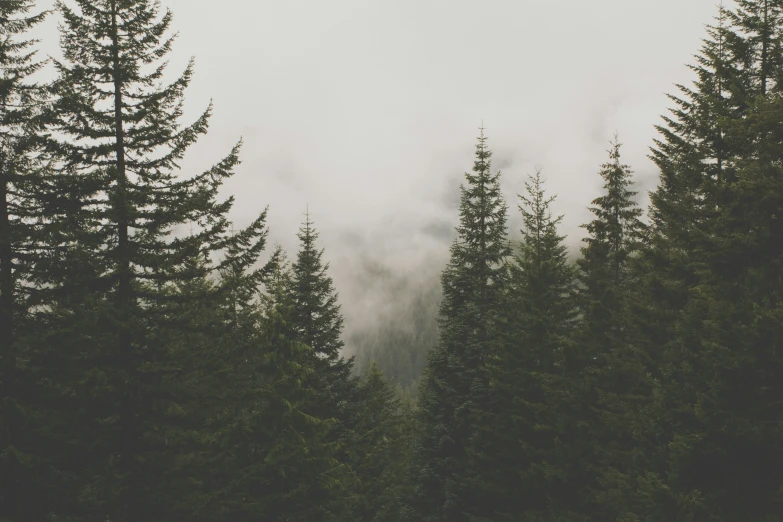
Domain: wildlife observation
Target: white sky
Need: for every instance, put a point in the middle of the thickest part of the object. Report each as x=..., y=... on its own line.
x=367, y=110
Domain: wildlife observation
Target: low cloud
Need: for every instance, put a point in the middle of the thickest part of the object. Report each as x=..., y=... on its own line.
x=367, y=112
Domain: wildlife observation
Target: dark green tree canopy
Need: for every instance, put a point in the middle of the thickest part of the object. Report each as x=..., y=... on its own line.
x=455, y=381
x=316, y=309
x=543, y=279
x=154, y=368
x=125, y=144
x=614, y=235
x=25, y=224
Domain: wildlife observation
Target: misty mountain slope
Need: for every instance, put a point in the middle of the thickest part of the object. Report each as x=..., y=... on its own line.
x=404, y=326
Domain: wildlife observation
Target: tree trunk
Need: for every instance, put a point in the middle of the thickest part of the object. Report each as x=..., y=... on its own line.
x=764, y=48
x=8, y=476
x=131, y=504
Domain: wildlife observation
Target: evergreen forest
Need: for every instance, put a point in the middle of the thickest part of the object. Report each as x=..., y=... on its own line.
x=159, y=363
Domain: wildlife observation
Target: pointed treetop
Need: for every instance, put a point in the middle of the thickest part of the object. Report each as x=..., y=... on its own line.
x=307, y=236
x=481, y=246
x=308, y=223
x=535, y=206
x=616, y=229
x=542, y=255
x=483, y=161
x=316, y=309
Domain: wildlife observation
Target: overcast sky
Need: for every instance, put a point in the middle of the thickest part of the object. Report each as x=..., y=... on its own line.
x=367, y=111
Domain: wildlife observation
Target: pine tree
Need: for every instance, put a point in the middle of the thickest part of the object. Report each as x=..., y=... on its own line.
x=382, y=439
x=611, y=371
x=518, y=438
x=455, y=383
x=692, y=152
x=280, y=465
x=206, y=338
x=319, y=324
x=198, y=351
x=615, y=234
x=24, y=228
x=721, y=369
x=124, y=143
x=757, y=43
x=702, y=311
x=719, y=372
x=696, y=154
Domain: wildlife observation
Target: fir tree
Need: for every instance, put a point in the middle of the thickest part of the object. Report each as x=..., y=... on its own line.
x=517, y=443
x=455, y=382
x=719, y=374
x=703, y=312
x=382, y=440
x=721, y=368
x=125, y=143
x=318, y=322
x=696, y=154
x=24, y=228
x=207, y=341
x=610, y=372
x=281, y=466
x=199, y=353
x=615, y=234
x=757, y=42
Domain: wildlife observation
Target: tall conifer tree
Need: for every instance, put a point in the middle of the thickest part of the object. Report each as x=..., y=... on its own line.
x=696, y=154
x=316, y=313
x=318, y=323
x=25, y=224
x=382, y=439
x=757, y=43
x=610, y=373
x=516, y=451
x=719, y=367
x=615, y=234
x=455, y=383
x=694, y=307
x=692, y=152
x=124, y=144
x=279, y=463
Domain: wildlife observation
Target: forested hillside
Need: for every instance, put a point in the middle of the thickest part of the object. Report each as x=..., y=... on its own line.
x=160, y=363
x=401, y=335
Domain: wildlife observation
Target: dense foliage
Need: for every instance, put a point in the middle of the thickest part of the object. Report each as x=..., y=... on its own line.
x=158, y=364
